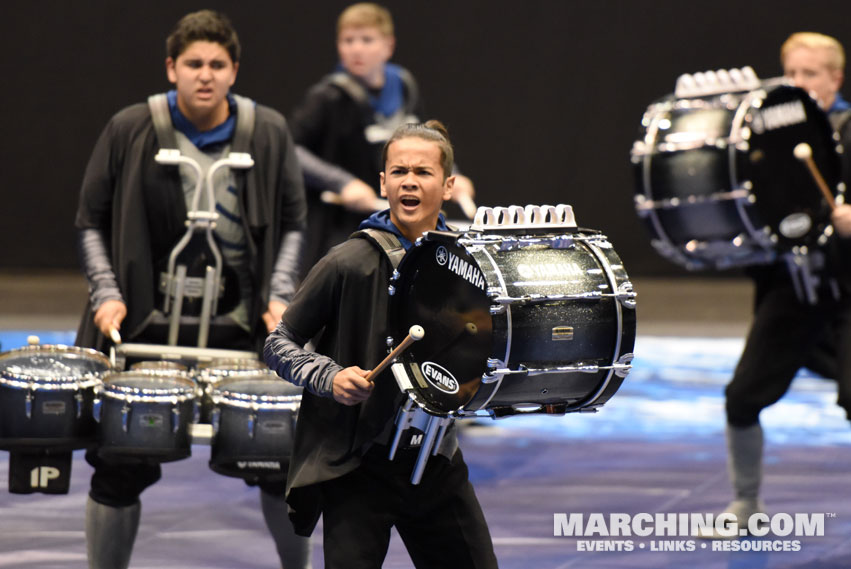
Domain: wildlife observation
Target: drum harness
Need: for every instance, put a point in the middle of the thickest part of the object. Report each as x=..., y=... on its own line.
x=175, y=284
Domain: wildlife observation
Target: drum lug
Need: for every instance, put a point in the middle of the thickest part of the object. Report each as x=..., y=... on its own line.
x=97, y=404
x=125, y=416
x=252, y=424
x=391, y=290
x=28, y=404
x=78, y=399
x=626, y=295
x=175, y=418
x=624, y=364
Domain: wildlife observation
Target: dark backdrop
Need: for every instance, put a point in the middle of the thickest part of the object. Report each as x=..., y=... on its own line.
x=543, y=98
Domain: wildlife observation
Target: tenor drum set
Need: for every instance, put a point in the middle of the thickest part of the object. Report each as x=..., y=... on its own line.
x=59, y=398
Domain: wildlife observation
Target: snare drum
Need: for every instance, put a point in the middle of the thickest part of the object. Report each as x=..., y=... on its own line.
x=253, y=422
x=717, y=181
x=46, y=396
x=514, y=322
x=145, y=415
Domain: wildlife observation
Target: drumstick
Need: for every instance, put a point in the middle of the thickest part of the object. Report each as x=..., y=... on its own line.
x=467, y=205
x=804, y=153
x=415, y=333
x=114, y=335
x=334, y=198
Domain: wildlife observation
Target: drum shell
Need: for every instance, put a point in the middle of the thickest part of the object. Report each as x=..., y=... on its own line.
x=208, y=377
x=153, y=428
x=603, y=330
x=60, y=418
x=716, y=183
x=60, y=390
x=252, y=440
x=568, y=324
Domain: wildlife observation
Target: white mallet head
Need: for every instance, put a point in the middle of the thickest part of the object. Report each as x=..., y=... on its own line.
x=803, y=151
x=416, y=332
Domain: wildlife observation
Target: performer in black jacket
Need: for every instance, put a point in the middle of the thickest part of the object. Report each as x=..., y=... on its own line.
x=132, y=213
x=786, y=329
x=343, y=123
x=339, y=467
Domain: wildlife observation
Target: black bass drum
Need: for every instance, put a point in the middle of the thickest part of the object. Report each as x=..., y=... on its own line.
x=46, y=396
x=717, y=182
x=514, y=322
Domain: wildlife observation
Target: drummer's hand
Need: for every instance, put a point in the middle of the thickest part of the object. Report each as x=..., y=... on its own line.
x=273, y=314
x=350, y=386
x=109, y=316
x=358, y=196
x=841, y=218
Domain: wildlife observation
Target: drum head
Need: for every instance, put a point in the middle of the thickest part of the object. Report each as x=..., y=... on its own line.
x=442, y=289
x=159, y=366
x=787, y=196
x=53, y=363
x=259, y=387
x=141, y=382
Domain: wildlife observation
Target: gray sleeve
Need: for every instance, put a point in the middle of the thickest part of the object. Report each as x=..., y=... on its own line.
x=285, y=273
x=319, y=174
x=285, y=355
x=103, y=285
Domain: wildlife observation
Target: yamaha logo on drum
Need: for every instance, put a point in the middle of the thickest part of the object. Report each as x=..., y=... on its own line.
x=464, y=269
x=439, y=377
x=441, y=255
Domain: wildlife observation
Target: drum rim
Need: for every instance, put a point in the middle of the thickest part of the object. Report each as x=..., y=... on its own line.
x=23, y=380
x=222, y=395
x=184, y=389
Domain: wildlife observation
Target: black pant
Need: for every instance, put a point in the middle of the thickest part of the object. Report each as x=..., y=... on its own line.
x=784, y=335
x=439, y=520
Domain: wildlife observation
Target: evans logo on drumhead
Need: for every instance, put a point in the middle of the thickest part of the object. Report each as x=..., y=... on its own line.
x=795, y=225
x=439, y=377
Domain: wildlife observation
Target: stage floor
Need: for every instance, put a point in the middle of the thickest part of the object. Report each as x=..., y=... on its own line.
x=656, y=448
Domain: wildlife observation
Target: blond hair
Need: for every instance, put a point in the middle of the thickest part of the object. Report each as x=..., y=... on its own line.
x=366, y=15
x=814, y=40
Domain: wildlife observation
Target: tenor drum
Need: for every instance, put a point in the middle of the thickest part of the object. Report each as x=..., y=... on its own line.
x=717, y=182
x=514, y=322
x=253, y=422
x=209, y=375
x=145, y=414
x=46, y=396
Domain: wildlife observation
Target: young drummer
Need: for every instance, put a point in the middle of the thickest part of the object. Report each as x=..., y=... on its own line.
x=339, y=467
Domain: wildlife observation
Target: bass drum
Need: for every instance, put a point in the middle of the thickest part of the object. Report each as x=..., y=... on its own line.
x=514, y=324
x=717, y=181
x=46, y=396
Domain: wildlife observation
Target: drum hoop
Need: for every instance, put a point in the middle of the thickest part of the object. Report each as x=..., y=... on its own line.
x=227, y=392
x=497, y=380
x=53, y=384
x=255, y=403
x=182, y=389
x=589, y=400
x=70, y=382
